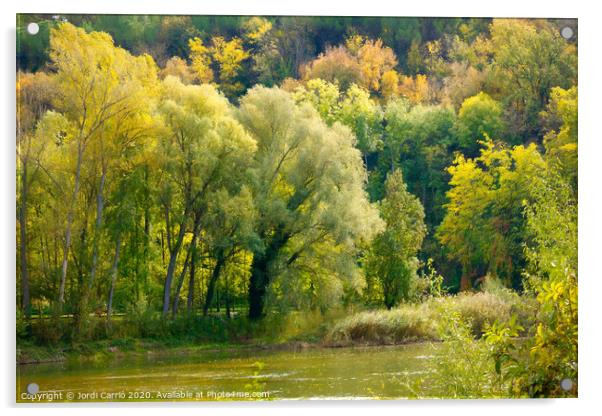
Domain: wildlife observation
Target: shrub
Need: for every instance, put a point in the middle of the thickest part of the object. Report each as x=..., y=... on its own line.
x=403, y=324
x=422, y=322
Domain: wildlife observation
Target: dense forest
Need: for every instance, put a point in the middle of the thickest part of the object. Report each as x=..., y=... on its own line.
x=173, y=169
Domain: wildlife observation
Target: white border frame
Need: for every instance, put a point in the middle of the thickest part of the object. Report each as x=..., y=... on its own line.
x=590, y=96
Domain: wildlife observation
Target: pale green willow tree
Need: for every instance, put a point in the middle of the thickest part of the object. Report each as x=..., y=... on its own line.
x=308, y=184
x=354, y=108
x=202, y=149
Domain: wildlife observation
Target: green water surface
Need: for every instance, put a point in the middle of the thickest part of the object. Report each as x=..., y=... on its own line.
x=246, y=374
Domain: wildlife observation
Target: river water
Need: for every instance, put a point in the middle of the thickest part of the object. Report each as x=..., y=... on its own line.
x=244, y=374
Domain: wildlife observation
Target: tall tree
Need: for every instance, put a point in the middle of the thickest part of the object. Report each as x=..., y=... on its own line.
x=100, y=88
x=34, y=95
x=484, y=228
x=308, y=187
x=529, y=60
x=203, y=147
x=391, y=260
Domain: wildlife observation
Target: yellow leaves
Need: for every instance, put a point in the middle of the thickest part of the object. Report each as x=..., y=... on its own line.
x=360, y=61
x=354, y=42
x=389, y=85
x=226, y=55
x=256, y=28
x=561, y=146
x=485, y=194
x=98, y=81
x=433, y=47
x=178, y=67
x=200, y=55
x=415, y=89
x=374, y=60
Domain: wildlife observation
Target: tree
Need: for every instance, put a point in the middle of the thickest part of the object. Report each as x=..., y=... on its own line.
x=463, y=81
x=529, y=61
x=538, y=366
x=392, y=260
x=360, y=61
x=375, y=59
x=479, y=117
x=178, y=67
x=420, y=140
x=102, y=88
x=256, y=28
x=353, y=108
x=415, y=89
x=203, y=148
x=200, y=57
x=552, y=276
x=229, y=231
x=484, y=228
x=337, y=66
x=34, y=95
x=560, y=121
x=415, y=61
x=308, y=190
x=228, y=57
x=364, y=117
x=389, y=87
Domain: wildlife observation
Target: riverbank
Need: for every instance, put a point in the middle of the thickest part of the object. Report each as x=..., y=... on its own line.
x=423, y=321
x=109, y=349
x=408, y=323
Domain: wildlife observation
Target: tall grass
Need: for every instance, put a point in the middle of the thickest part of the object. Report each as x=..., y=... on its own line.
x=423, y=321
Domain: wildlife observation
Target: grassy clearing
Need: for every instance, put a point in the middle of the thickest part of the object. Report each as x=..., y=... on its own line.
x=422, y=322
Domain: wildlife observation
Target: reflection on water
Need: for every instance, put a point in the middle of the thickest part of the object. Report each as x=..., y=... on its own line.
x=247, y=374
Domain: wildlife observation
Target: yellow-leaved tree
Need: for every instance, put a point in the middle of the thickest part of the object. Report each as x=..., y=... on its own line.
x=105, y=96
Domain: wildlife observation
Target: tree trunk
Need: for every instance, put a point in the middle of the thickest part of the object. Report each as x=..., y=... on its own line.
x=260, y=277
x=190, y=300
x=70, y=214
x=96, y=244
x=173, y=257
x=23, y=243
x=212, y=281
x=98, y=225
x=227, y=296
x=257, y=286
x=176, y=299
x=114, y=268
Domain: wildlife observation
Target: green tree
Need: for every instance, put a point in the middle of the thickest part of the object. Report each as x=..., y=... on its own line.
x=203, y=148
x=415, y=61
x=364, y=116
x=479, y=117
x=308, y=189
x=353, y=108
x=484, y=228
x=420, y=140
x=392, y=257
x=560, y=121
x=529, y=61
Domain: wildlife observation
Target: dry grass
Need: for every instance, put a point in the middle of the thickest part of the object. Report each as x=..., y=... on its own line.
x=422, y=322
